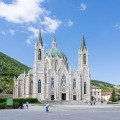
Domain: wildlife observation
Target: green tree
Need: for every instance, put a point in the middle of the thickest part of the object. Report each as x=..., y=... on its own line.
x=113, y=96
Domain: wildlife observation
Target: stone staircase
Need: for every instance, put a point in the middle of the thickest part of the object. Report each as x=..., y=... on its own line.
x=68, y=102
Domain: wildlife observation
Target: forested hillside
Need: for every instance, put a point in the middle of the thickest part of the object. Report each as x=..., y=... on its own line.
x=9, y=68
x=106, y=87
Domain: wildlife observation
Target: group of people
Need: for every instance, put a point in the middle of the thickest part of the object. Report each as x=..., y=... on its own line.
x=94, y=102
x=22, y=105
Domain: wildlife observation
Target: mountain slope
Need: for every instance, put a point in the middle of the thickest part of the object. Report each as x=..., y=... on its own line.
x=106, y=87
x=9, y=68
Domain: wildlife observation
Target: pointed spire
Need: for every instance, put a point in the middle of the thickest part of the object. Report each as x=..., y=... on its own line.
x=83, y=45
x=39, y=38
x=54, y=43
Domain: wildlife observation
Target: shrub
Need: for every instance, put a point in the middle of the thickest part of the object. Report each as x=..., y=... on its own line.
x=16, y=105
x=2, y=100
x=24, y=100
x=3, y=105
x=32, y=100
x=19, y=100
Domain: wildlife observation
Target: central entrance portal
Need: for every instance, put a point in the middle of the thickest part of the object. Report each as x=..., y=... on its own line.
x=63, y=96
x=52, y=97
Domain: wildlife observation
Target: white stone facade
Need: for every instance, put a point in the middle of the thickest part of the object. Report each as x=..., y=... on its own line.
x=96, y=93
x=51, y=79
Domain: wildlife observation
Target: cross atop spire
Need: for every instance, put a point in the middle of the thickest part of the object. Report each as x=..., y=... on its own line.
x=54, y=43
x=83, y=45
x=39, y=38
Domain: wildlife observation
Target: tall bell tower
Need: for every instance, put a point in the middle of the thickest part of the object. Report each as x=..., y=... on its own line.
x=83, y=68
x=38, y=69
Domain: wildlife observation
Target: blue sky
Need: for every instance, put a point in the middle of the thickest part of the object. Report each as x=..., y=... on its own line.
x=67, y=19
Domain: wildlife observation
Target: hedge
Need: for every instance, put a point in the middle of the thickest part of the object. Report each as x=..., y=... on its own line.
x=24, y=100
x=2, y=105
x=21, y=100
x=2, y=100
x=16, y=105
x=17, y=102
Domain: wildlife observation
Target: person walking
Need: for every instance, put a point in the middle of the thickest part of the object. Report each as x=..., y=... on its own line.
x=91, y=103
x=47, y=107
x=94, y=102
x=27, y=105
x=102, y=101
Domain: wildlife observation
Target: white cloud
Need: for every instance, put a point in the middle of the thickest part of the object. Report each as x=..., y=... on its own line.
x=33, y=30
x=83, y=6
x=69, y=23
x=12, y=31
x=34, y=34
x=29, y=13
x=51, y=25
x=21, y=11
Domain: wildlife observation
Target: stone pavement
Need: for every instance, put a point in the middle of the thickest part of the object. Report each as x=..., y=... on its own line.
x=64, y=112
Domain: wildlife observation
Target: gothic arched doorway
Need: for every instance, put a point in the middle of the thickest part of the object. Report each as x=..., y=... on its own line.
x=63, y=96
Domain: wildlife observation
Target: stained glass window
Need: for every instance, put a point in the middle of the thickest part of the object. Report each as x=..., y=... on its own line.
x=52, y=82
x=74, y=84
x=39, y=54
x=63, y=80
x=39, y=86
x=85, y=88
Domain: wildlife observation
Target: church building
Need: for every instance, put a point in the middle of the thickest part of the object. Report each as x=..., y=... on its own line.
x=52, y=79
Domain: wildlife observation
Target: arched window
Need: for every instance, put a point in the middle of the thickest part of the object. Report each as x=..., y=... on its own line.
x=19, y=90
x=31, y=87
x=84, y=59
x=85, y=89
x=46, y=65
x=56, y=62
x=52, y=63
x=39, y=86
x=39, y=54
x=63, y=80
x=52, y=82
x=74, y=84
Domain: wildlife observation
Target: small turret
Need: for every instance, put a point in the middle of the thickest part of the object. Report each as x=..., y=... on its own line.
x=54, y=43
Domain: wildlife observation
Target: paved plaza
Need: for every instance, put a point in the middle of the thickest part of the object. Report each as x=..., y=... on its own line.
x=66, y=112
